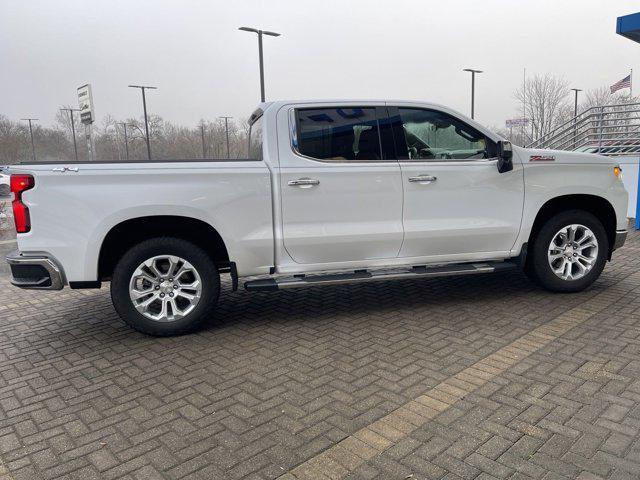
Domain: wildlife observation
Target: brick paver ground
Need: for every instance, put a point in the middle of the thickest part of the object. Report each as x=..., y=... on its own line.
x=470, y=377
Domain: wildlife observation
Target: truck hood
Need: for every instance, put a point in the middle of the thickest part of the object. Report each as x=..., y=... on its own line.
x=539, y=155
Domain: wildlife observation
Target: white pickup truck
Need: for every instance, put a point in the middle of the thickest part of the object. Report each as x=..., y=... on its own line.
x=331, y=192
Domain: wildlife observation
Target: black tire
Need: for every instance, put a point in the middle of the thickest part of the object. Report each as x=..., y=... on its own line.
x=196, y=256
x=538, y=267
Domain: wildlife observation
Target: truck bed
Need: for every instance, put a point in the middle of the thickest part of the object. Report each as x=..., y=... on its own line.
x=73, y=206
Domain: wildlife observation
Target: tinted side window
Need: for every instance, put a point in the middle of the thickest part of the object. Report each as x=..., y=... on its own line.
x=434, y=135
x=255, y=140
x=338, y=133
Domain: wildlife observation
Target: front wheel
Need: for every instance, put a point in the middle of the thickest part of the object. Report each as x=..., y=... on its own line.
x=569, y=252
x=165, y=286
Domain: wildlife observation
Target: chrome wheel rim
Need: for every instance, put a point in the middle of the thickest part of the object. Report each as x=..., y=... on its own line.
x=165, y=288
x=572, y=252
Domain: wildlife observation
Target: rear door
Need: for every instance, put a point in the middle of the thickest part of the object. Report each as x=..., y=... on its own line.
x=456, y=203
x=341, y=198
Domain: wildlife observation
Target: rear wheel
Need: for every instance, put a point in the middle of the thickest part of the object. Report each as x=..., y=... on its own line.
x=569, y=252
x=165, y=286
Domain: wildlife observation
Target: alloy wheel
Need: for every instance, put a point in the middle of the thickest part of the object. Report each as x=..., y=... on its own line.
x=573, y=252
x=165, y=288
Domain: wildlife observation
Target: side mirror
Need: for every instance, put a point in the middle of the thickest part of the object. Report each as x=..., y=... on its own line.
x=505, y=155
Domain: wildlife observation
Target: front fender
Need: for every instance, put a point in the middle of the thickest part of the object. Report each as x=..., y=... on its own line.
x=544, y=183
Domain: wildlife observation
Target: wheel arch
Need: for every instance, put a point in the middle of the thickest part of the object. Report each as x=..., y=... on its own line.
x=124, y=235
x=598, y=206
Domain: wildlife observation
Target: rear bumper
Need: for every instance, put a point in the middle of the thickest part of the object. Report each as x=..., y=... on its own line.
x=621, y=237
x=37, y=272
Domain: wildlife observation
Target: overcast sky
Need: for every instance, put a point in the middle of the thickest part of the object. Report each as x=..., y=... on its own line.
x=204, y=67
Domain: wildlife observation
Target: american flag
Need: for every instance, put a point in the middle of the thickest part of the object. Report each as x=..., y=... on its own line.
x=624, y=83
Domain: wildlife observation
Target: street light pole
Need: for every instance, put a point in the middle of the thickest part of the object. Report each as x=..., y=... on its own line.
x=144, y=107
x=126, y=140
x=575, y=105
x=473, y=87
x=204, y=151
x=260, y=33
x=575, y=116
x=73, y=128
x=33, y=145
x=226, y=129
x=261, y=66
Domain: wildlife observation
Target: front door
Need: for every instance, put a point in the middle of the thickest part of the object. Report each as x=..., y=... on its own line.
x=341, y=199
x=456, y=203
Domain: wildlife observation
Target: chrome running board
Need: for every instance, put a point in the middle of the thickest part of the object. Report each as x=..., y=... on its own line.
x=361, y=276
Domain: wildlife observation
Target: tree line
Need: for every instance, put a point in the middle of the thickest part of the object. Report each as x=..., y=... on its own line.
x=545, y=100
x=168, y=140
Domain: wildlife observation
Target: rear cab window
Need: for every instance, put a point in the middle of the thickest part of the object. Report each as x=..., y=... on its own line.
x=338, y=133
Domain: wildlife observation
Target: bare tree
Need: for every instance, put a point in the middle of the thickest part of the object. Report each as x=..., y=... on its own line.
x=602, y=96
x=106, y=137
x=168, y=140
x=14, y=145
x=63, y=123
x=597, y=98
x=545, y=99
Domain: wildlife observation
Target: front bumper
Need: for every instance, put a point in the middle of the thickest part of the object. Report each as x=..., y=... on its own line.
x=621, y=237
x=37, y=272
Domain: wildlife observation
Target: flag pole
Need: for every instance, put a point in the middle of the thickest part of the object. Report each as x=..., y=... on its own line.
x=631, y=84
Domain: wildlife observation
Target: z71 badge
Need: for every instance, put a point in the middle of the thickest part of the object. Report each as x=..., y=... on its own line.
x=542, y=158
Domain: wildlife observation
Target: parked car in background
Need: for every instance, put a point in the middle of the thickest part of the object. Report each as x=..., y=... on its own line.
x=610, y=147
x=4, y=183
x=331, y=192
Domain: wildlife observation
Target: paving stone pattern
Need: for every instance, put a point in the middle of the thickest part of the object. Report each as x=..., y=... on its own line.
x=470, y=377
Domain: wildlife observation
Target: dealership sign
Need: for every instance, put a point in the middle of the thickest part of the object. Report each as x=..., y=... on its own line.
x=516, y=122
x=85, y=100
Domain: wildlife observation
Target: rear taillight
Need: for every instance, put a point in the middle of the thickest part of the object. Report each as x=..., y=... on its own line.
x=19, y=184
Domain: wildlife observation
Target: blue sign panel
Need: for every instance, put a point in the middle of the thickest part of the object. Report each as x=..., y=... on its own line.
x=629, y=26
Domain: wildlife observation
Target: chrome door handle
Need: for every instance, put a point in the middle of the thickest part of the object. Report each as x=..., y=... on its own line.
x=303, y=182
x=423, y=179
